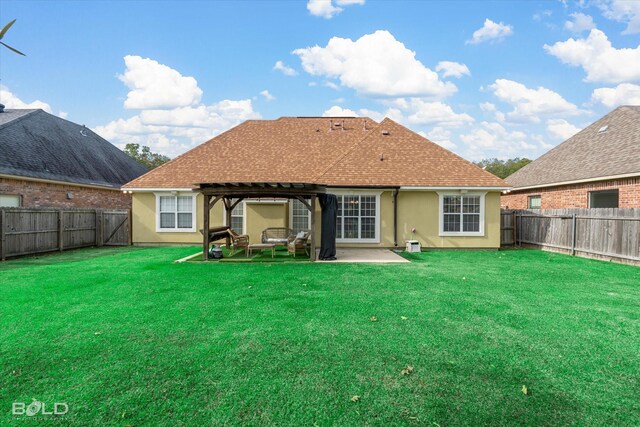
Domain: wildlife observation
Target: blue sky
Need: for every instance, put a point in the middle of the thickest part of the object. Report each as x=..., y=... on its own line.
x=484, y=79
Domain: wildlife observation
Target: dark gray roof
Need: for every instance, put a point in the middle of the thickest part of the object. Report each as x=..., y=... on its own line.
x=608, y=147
x=36, y=144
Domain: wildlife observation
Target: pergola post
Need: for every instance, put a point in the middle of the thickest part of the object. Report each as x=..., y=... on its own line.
x=227, y=210
x=205, y=227
x=312, y=248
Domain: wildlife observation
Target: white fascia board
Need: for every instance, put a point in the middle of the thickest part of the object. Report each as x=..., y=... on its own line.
x=577, y=181
x=151, y=190
x=455, y=188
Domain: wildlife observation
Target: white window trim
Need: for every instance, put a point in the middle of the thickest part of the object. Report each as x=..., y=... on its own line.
x=441, y=196
x=362, y=193
x=244, y=216
x=536, y=196
x=193, y=212
x=291, y=216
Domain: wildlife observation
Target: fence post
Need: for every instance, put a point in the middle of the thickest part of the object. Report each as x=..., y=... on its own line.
x=2, y=236
x=130, y=224
x=99, y=227
x=573, y=234
x=515, y=231
x=60, y=230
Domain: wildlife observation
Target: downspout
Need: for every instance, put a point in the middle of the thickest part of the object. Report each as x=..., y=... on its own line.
x=395, y=217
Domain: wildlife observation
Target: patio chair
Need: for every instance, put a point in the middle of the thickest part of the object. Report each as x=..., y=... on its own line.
x=238, y=241
x=277, y=235
x=299, y=241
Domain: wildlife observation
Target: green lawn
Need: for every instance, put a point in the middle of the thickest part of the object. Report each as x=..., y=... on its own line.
x=126, y=337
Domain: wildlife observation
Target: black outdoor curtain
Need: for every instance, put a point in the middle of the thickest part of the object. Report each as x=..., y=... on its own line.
x=329, y=205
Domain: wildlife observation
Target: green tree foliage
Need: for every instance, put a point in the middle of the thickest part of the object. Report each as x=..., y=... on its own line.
x=502, y=168
x=3, y=32
x=144, y=156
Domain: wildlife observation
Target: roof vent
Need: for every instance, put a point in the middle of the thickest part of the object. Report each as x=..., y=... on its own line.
x=1, y=108
x=386, y=132
x=603, y=129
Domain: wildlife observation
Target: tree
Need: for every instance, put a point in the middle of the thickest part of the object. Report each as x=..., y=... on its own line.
x=3, y=32
x=144, y=156
x=502, y=168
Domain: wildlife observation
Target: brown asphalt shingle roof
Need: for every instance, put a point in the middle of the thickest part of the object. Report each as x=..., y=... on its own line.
x=311, y=150
x=589, y=154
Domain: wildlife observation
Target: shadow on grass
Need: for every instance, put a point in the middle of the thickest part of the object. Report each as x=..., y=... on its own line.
x=72, y=255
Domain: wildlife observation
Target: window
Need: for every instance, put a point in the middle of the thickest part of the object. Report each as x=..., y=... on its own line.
x=300, y=218
x=462, y=215
x=358, y=218
x=604, y=199
x=175, y=212
x=535, y=202
x=9, y=201
x=237, y=217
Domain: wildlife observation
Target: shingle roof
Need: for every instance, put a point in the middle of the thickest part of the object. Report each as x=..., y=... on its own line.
x=608, y=147
x=36, y=144
x=329, y=151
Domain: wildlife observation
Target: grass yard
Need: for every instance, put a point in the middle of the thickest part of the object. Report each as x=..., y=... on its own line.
x=126, y=337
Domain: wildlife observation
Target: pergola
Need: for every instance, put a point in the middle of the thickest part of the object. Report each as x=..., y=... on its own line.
x=232, y=193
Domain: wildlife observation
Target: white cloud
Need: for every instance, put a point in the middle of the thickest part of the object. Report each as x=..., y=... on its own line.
x=285, y=69
x=63, y=114
x=529, y=104
x=623, y=94
x=440, y=136
x=422, y=112
x=173, y=130
x=453, y=69
x=331, y=85
x=154, y=85
x=492, y=139
x=375, y=64
x=326, y=9
x=323, y=8
x=10, y=100
x=337, y=111
x=599, y=59
x=561, y=129
x=490, y=32
x=579, y=23
x=626, y=11
x=265, y=93
x=487, y=106
x=539, y=16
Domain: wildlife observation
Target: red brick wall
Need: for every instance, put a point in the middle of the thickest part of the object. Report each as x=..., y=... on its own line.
x=575, y=196
x=40, y=194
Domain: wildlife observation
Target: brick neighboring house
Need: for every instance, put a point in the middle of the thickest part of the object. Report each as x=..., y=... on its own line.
x=46, y=161
x=599, y=167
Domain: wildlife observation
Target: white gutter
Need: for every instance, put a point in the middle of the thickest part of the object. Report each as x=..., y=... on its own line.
x=149, y=190
x=53, y=181
x=578, y=181
x=455, y=188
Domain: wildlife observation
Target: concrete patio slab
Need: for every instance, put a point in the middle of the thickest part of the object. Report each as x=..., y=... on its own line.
x=361, y=255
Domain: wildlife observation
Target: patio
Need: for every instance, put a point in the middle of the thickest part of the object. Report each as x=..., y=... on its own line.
x=367, y=255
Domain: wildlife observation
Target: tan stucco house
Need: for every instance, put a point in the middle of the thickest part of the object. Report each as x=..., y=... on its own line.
x=392, y=185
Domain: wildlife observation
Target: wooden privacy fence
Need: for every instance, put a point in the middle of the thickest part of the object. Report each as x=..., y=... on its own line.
x=611, y=233
x=31, y=231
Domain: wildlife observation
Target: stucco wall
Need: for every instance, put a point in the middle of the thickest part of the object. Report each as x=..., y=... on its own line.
x=264, y=215
x=416, y=209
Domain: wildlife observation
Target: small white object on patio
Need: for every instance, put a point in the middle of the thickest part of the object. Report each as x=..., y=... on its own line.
x=366, y=255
